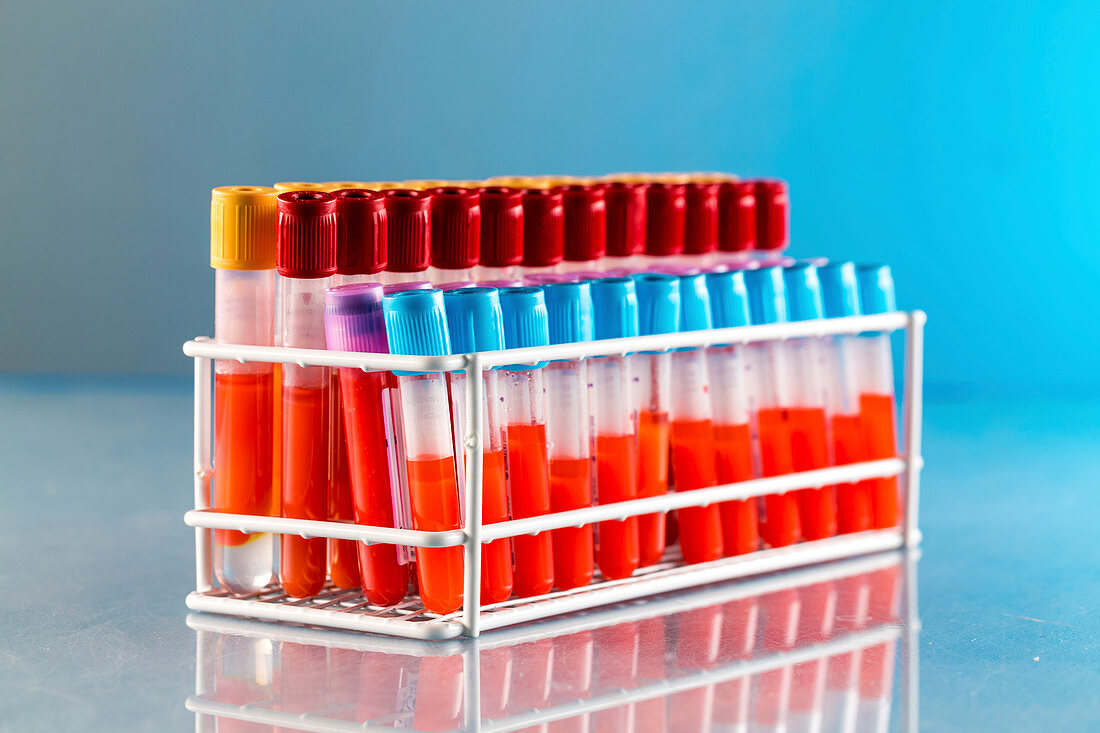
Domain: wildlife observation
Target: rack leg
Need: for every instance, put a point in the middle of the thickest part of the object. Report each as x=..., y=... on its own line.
x=914, y=376
x=203, y=579
x=475, y=387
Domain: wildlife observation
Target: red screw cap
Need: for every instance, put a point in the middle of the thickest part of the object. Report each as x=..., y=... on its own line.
x=737, y=216
x=408, y=230
x=626, y=212
x=773, y=212
x=456, y=227
x=701, y=218
x=501, y=226
x=542, y=227
x=665, y=208
x=306, y=234
x=584, y=214
x=360, y=231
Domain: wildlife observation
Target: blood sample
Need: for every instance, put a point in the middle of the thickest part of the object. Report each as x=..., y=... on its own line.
x=528, y=461
x=614, y=420
x=569, y=315
x=808, y=420
x=625, y=204
x=773, y=214
x=694, y=454
x=474, y=324
x=306, y=262
x=354, y=322
x=501, y=234
x=584, y=223
x=242, y=253
x=651, y=387
x=408, y=236
x=455, y=233
x=876, y=391
x=416, y=325
x=543, y=230
x=728, y=369
x=841, y=298
x=770, y=398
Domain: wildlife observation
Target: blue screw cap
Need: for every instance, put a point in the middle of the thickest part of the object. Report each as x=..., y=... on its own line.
x=729, y=298
x=474, y=321
x=694, y=303
x=839, y=289
x=569, y=311
x=767, y=297
x=658, y=303
x=876, y=289
x=526, y=323
x=803, y=292
x=416, y=324
x=616, y=307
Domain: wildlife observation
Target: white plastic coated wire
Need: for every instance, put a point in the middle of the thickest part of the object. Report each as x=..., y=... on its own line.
x=473, y=618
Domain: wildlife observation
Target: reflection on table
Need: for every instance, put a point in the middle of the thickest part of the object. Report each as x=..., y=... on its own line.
x=806, y=650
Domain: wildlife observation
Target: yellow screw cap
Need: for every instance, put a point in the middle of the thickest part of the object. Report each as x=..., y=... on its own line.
x=300, y=186
x=331, y=186
x=242, y=228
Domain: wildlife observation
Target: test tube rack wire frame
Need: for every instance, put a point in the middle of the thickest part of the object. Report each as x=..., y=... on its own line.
x=411, y=620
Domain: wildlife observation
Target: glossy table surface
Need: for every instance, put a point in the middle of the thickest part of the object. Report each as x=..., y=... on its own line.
x=95, y=476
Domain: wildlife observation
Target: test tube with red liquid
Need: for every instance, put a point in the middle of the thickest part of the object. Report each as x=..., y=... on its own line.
x=651, y=389
x=501, y=234
x=584, y=224
x=408, y=236
x=242, y=253
x=543, y=231
x=306, y=262
x=474, y=324
x=694, y=453
x=526, y=448
x=729, y=388
x=614, y=421
x=808, y=419
x=354, y=321
x=878, y=408
x=455, y=234
x=840, y=295
x=770, y=396
x=416, y=324
x=625, y=205
x=569, y=317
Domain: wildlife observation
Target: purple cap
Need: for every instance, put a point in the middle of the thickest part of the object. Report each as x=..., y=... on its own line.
x=549, y=278
x=456, y=285
x=354, y=320
x=516, y=283
x=402, y=287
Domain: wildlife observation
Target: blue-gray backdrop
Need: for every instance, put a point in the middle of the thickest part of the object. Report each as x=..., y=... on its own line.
x=955, y=141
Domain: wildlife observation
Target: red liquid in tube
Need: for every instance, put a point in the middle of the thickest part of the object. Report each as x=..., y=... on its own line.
x=343, y=559
x=433, y=496
x=740, y=533
x=694, y=466
x=653, y=453
x=616, y=466
x=877, y=413
x=853, y=500
x=305, y=485
x=780, y=524
x=810, y=450
x=571, y=488
x=528, y=479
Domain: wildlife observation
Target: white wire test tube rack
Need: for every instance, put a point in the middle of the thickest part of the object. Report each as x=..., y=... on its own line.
x=348, y=610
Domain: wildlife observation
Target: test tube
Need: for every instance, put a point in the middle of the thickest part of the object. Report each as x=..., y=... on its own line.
x=770, y=397
x=501, y=234
x=876, y=392
x=474, y=324
x=242, y=253
x=736, y=224
x=694, y=454
x=543, y=232
x=569, y=317
x=416, y=325
x=354, y=322
x=614, y=421
x=525, y=325
x=584, y=221
x=840, y=295
x=666, y=206
x=625, y=204
x=455, y=233
x=306, y=261
x=651, y=386
x=408, y=236
x=701, y=209
x=808, y=418
x=773, y=213
x=728, y=370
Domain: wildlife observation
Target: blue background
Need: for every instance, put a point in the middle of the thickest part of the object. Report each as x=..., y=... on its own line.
x=956, y=143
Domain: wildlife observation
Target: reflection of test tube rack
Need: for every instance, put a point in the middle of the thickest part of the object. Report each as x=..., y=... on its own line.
x=348, y=610
x=629, y=662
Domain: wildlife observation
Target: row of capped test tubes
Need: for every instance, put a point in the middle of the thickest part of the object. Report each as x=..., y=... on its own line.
x=846, y=691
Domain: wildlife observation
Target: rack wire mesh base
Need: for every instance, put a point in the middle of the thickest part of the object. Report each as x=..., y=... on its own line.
x=348, y=610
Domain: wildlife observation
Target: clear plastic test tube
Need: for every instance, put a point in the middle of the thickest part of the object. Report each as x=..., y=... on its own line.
x=614, y=422
x=651, y=388
x=584, y=221
x=306, y=261
x=242, y=253
x=569, y=316
x=455, y=234
x=840, y=294
x=694, y=458
x=408, y=236
x=878, y=408
x=501, y=234
x=416, y=324
x=808, y=418
x=526, y=448
x=354, y=322
x=770, y=396
x=474, y=324
x=728, y=369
